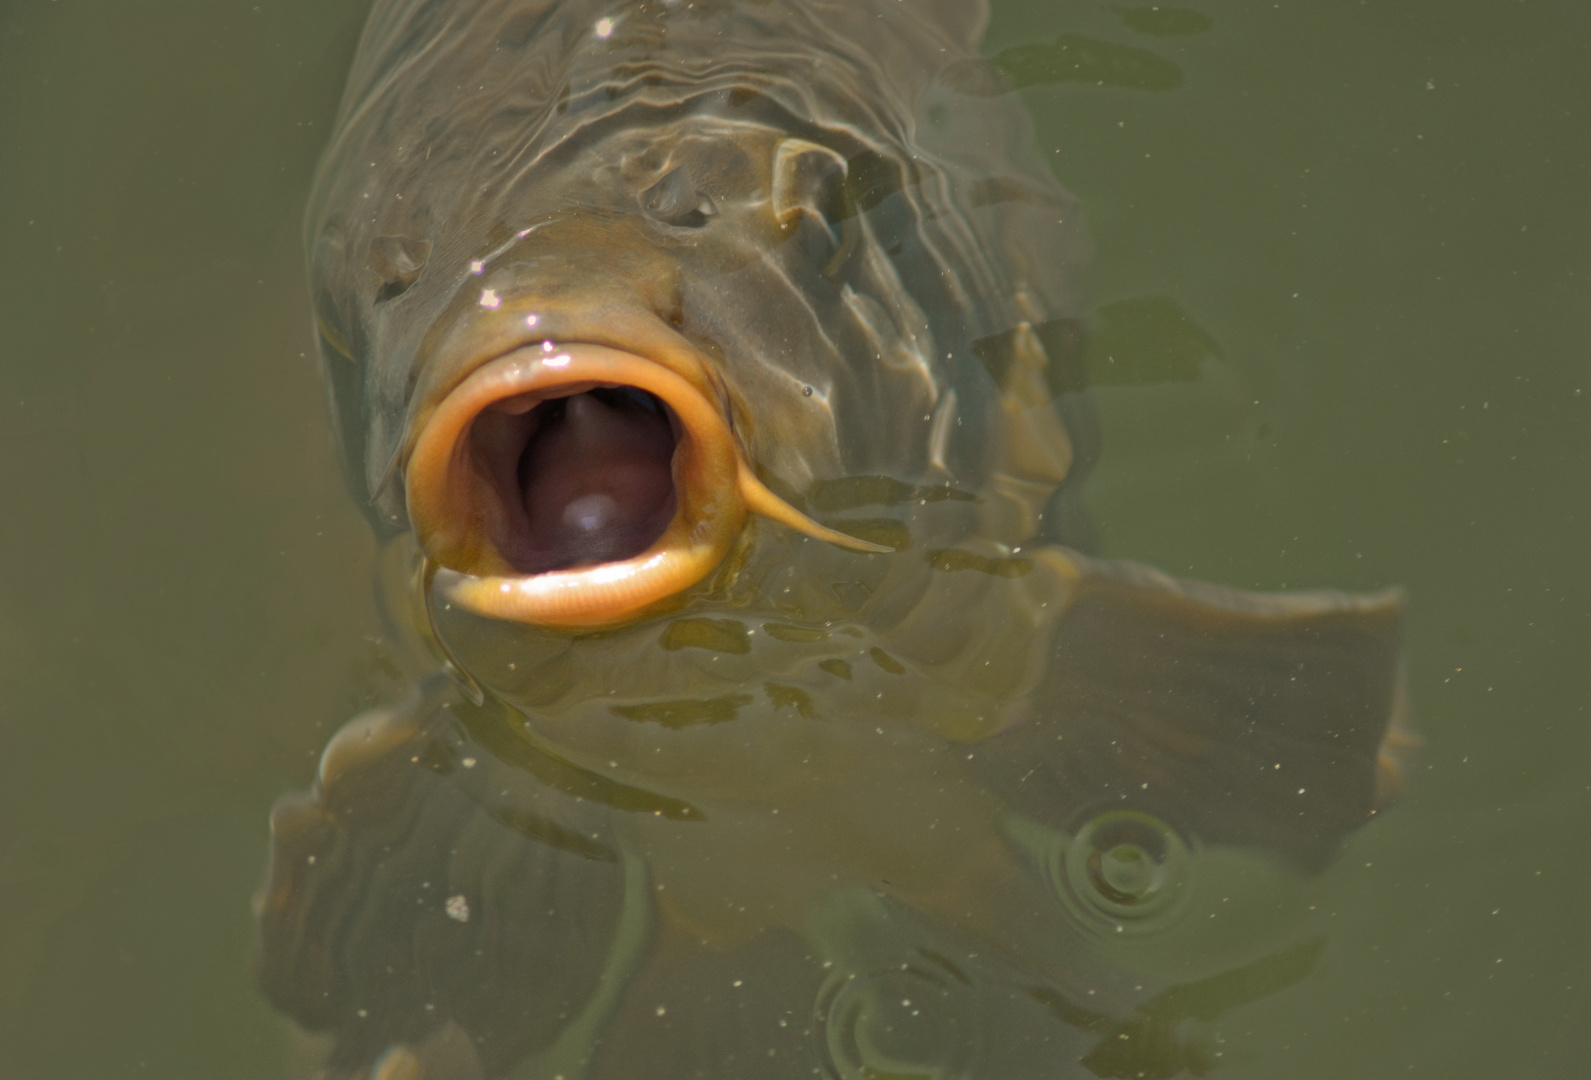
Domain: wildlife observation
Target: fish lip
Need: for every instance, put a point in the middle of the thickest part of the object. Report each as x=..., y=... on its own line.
x=450, y=506
x=606, y=341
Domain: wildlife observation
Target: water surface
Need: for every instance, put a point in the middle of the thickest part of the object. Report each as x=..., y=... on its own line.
x=1374, y=213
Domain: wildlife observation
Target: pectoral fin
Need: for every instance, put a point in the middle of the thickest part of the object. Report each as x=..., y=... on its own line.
x=413, y=894
x=1237, y=718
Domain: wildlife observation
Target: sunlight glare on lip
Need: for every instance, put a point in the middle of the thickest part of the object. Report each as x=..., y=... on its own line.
x=561, y=360
x=583, y=578
x=606, y=575
x=490, y=299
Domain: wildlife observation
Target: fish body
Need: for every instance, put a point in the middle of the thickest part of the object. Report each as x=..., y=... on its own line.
x=721, y=359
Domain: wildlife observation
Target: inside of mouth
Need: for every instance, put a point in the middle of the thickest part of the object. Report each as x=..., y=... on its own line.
x=577, y=477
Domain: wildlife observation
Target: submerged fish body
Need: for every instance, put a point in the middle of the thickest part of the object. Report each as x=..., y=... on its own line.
x=720, y=357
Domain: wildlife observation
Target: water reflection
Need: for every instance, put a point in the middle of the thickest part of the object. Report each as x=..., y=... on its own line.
x=411, y=894
x=183, y=621
x=836, y=858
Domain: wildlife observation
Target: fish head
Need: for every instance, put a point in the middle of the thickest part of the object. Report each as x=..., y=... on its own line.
x=594, y=375
x=612, y=394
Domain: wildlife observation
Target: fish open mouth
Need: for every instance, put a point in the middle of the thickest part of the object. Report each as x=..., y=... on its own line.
x=581, y=479
x=576, y=485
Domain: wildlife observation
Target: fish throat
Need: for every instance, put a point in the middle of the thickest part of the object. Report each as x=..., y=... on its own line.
x=581, y=479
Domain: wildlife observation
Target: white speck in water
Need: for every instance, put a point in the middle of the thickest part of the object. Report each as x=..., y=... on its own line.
x=477, y=266
x=468, y=763
x=531, y=320
x=490, y=299
x=458, y=908
x=661, y=1010
x=604, y=30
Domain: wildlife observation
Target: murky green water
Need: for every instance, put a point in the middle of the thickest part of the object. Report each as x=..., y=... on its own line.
x=1376, y=211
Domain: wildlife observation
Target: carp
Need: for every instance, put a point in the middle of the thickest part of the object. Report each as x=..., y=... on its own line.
x=713, y=371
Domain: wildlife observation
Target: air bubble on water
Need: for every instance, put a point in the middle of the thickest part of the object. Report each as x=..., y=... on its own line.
x=909, y=1022
x=1123, y=872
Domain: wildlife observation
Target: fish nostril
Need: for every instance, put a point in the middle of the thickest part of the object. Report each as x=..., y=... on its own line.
x=397, y=261
x=674, y=200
